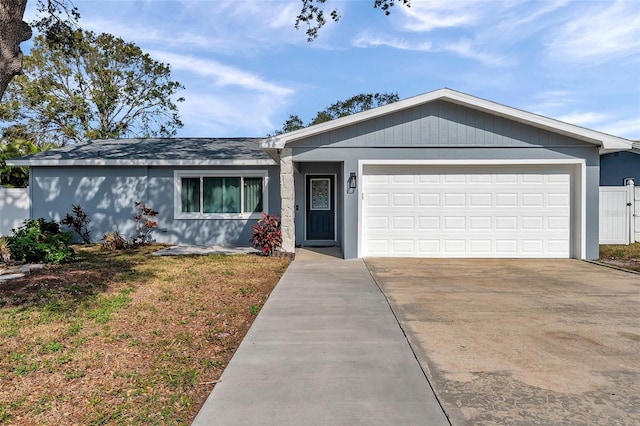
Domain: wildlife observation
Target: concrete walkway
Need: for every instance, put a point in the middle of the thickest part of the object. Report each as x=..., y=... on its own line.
x=325, y=349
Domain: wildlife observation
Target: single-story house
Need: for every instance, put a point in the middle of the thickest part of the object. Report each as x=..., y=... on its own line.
x=618, y=166
x=443, y=174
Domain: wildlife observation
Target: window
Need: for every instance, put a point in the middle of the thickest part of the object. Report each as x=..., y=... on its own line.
x=214, y=195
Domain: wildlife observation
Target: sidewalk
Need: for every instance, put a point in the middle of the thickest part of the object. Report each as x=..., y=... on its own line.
x=325, y=349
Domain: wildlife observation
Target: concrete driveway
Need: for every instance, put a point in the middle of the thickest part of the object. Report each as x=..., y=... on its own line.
x=521, y=341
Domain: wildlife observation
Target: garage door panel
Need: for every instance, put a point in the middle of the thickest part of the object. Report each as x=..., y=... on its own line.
x=427, y=246
x=377, y=199
x=416, y=211
x=480, y=200
x=403, y=223
x=480, y=223
x=403, y=200
x=428, y=200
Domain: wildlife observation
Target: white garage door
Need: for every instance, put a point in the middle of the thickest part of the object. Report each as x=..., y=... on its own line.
x=456, y=211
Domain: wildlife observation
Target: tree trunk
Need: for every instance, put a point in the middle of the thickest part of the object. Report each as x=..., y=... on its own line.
x=13, y=31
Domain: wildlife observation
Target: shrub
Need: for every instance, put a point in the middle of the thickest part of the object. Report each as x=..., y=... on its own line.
x=145, y=225
x=39, y=240
x=78, y=221
x=267, y=236
x=5, y=252
x=114, y=241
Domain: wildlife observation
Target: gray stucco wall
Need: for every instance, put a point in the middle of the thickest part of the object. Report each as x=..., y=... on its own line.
x=108, y=195
x=443, y=131
x=617, y=166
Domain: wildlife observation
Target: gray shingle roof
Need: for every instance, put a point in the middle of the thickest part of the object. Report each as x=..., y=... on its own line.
x=152, y=151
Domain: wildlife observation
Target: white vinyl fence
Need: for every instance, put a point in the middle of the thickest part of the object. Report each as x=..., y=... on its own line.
x=636, y=215
x=14, y=208
x=619, y=214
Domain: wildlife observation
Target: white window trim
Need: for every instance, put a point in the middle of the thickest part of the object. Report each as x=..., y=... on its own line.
x=177, y=192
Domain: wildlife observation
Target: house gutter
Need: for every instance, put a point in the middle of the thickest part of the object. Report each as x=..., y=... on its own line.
x=125, y=163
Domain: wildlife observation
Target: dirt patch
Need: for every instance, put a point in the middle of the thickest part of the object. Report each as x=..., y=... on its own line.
x=630, y=264
x=621, y=256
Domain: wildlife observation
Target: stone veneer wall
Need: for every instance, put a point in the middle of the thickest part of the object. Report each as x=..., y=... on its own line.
x=287, y=208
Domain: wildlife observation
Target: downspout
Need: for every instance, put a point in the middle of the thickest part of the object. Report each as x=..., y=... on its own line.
x=30, y=192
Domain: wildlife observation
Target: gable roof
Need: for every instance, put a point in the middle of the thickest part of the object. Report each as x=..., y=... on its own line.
x=153, y=152
x=602, y=140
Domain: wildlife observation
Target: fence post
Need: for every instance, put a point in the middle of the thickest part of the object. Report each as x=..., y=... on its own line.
x=631, y=198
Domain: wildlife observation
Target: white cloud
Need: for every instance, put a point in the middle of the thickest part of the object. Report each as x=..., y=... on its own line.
x=468, y=49
x=424, y=16
x=464, y=48
x=603, y=32
x=222, y=99
x=550, y=100
x=240, y=28
x=222, y=75
x=367, y=39
x=605, y=122
x=229, y=113
x=151, y=34
x=627, y=128
x=535, y=15
x=585, y=119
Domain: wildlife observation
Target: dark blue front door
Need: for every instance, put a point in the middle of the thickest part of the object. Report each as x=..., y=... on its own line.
x=320, y=207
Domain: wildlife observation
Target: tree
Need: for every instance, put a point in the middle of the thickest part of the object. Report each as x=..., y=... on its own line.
x=16, y=177
x=95, y=86
x=312, y=14
x=353, y=105
x=57, y=18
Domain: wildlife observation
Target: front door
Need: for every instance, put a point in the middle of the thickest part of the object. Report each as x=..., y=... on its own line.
x=320, y=207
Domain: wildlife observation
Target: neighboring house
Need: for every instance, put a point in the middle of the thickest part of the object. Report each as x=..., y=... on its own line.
x=442, y=174
x=617, y=166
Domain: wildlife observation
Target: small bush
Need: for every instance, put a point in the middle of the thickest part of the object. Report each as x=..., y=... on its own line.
x=78, y=222
x=5, y=252
x=145, y=225
x=267, y=236
x=39, y=240
x=114, y=241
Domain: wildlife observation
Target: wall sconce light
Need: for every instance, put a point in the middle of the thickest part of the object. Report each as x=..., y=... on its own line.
x=352, y=183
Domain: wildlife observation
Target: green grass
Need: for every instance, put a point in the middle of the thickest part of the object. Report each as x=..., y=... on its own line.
x=108, y=305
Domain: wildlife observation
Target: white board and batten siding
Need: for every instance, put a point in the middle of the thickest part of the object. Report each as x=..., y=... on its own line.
x=470, y=211
x=619, y=214
x=14, y=208
x=636, y=214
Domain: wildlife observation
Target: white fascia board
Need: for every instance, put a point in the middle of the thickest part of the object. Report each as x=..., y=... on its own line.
x=461, y=162
x=597, y=138
x=98, y=162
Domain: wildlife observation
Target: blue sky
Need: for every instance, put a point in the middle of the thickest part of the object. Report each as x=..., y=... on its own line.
x=246, y=68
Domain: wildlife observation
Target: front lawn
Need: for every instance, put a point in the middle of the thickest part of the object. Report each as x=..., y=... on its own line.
x=124, y=337
x=627, y=257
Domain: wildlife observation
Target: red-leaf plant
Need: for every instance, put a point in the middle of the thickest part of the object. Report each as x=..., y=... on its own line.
x=267, y=236
x=145, y=224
